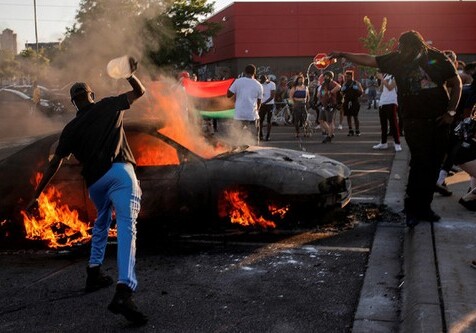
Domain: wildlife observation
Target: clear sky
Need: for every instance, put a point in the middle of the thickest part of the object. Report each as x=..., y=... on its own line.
x=53, y=16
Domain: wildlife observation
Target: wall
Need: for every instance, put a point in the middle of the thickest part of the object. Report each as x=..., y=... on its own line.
x=296, y=31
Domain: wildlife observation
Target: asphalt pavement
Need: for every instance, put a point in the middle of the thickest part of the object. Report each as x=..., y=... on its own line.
x=437, y=285
x=431, y=292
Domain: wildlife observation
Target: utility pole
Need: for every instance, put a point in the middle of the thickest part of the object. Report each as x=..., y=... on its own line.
x=36, y=37
x=36, y=27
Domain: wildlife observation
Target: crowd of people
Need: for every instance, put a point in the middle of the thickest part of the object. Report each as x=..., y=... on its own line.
x=417, y=88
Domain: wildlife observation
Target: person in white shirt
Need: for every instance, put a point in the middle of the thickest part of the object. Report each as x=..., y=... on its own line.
x=266, y=109
x=388, y=112
x=248, y=93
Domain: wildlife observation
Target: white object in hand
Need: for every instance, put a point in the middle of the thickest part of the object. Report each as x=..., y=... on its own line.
x=119, y=68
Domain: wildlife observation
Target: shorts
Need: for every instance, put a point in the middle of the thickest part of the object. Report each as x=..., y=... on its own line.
x=327, y=114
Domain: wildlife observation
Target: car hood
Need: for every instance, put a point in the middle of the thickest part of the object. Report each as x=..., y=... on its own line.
x=291, y=159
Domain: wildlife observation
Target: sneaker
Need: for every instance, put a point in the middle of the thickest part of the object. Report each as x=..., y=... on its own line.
x=96, y=279
x=357, y=132
x=443, y=190
x=398, y=147
x=473, y=264
x=351, y=133
x=123, y=304
x=339, y=127
x=381, y=146
x=327, y=139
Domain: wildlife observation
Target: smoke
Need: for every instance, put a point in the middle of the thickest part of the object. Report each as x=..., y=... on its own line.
x=20, y=120
x=112, y=32
x=113, y=29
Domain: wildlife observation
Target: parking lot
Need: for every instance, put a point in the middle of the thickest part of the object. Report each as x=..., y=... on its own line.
x=228, y=280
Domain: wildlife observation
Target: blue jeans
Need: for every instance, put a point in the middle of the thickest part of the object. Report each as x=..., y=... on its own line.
x=118, y=189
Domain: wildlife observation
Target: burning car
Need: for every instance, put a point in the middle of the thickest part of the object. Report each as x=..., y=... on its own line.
x=250, y=185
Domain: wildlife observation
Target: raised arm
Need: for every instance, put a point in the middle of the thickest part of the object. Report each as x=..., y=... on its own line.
x=138, y=88
x=363, y=59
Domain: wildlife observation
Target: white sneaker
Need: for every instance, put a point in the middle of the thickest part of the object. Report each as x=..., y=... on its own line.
x=381, y=146
x=398, y=147
x=340, y=127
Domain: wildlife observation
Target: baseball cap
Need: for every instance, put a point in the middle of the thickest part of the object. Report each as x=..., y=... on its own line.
x=79, y=88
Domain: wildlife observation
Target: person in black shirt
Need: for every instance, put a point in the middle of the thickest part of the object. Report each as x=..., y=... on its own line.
x=351, y=91
x=97, y=140
x=423, y=75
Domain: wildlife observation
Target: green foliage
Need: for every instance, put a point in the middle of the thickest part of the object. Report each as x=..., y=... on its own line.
x=26, y=64
x=178, y=34
x=165, y=33
x=375, y=42
x=9, y=67
x=33, y=64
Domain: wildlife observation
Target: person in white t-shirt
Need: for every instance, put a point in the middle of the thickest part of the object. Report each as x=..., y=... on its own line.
x=388, y=112
x=248, y=93
x=266, y=109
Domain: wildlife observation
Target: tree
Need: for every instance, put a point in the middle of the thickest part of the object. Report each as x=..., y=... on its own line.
x=103, y=30
x=9, y=67
x=174, y=37
x=32, y=64
x=160, y=33
x=374, y=41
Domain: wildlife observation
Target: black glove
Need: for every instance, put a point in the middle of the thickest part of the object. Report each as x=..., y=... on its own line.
x=133, y=64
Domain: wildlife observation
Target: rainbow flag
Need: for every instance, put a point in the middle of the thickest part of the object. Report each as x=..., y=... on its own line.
x=210, y=98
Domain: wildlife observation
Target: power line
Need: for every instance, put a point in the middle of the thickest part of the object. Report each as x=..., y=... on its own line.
x=28, y=20
x=29, y=5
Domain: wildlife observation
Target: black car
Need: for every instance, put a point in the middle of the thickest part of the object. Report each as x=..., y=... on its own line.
x=216, y=186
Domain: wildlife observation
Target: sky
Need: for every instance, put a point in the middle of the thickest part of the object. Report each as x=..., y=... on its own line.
x=53, y=17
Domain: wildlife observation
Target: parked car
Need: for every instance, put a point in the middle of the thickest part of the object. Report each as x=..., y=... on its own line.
x=51, y=104
x=179, y=184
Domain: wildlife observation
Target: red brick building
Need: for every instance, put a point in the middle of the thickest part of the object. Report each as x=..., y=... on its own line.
x=281, y=38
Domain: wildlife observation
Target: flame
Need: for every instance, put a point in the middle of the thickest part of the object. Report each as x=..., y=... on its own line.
x=55, y=223
x=181, y=121
x=279, y=211
x=61, y=227
x=241, y=212
x=149, y=153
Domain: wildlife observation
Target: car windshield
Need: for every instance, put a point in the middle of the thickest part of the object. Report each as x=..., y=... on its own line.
x=150, y=150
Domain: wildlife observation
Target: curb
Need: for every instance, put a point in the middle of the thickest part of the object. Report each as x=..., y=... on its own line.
x=380, y=298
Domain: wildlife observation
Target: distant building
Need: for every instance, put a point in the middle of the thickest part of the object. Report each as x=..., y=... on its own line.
x=45, y=46
x=8, y=41
x=48, y=49
x=281, y=38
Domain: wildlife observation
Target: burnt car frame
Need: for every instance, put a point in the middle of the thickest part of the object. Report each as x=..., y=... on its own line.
x=190, y=188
